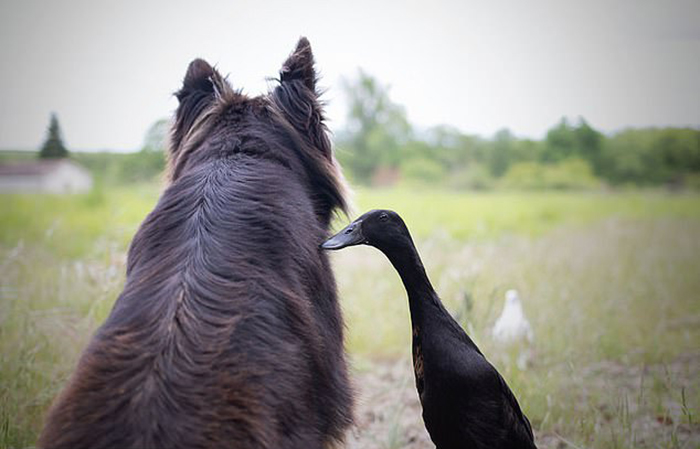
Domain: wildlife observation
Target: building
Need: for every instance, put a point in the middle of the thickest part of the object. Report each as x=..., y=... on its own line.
x=44, y=176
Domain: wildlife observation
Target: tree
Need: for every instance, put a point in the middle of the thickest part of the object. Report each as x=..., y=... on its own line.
x=651, y=156
x=53, y=147
x=560, y=142
x=590, y=144
x=565, y=141
x=377, y=128
x=501, y=152
x=150, y=161
x=156, y=136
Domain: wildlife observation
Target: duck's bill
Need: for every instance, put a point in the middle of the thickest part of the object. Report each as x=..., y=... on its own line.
x=351, y=235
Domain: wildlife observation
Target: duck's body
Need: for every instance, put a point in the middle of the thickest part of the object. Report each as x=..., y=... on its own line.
x=466, y=403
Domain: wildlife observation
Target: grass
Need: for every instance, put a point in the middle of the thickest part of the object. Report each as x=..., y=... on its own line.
x=486, y=215
x=617, y=285
x=71, y=226
x=609, y=282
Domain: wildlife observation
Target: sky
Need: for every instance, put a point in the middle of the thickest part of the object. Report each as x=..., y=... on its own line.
x=108, y=69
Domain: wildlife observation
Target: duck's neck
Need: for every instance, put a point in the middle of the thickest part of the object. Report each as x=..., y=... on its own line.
x=421, y=295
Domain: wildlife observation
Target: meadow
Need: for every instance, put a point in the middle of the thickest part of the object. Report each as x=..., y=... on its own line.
x=609, y=281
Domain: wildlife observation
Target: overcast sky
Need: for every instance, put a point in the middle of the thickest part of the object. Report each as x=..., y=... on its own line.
x=108, y=68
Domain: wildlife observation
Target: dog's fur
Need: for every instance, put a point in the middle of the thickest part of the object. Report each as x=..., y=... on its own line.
x=228, y=333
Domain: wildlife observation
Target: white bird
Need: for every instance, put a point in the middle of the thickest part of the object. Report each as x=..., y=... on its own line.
x=512, y=325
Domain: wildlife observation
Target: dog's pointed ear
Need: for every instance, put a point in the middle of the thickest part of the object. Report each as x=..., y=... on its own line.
x=198, y=92
x=296, y=96
x=297, y=101
x=197, y=79
x=300, y=65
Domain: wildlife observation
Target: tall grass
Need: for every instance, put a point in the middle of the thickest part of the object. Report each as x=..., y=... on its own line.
x=614, y=307
x=609, y=282
x=485, y=215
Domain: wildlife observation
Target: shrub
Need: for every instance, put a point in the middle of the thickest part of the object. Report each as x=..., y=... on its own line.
x=422, y=169
x=569, y=174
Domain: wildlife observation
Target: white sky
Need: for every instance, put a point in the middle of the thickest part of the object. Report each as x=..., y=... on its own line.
x=108, y=68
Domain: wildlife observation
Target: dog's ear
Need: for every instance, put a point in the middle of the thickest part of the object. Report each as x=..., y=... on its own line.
x=197, y=93
x=201, y=87
x=198, y=79
x=300, y=66
x=297, y=98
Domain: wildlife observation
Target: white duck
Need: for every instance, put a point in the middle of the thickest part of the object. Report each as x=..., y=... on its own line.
x=512, y=325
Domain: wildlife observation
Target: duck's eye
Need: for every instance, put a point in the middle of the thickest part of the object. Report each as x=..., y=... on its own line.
x=383, y=217
x=349, y=230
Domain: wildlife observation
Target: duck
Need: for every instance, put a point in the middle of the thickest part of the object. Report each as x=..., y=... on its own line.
x=512, y=325
x=466, y=402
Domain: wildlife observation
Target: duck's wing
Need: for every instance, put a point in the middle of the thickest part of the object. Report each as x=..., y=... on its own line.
x=521, y=425
x=456, y=353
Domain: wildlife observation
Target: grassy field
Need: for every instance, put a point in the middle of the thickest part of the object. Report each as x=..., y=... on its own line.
x=610, y=282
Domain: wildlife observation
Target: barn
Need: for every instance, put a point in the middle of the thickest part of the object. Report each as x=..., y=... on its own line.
x=44, y=176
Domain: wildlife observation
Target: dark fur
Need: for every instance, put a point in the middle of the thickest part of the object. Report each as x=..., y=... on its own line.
x=228, y=332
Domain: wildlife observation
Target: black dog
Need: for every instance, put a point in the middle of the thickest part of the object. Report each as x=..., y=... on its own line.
x=228, y=333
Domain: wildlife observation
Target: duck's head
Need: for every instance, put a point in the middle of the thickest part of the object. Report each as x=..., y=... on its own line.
x=380, y=228
x=512, y=297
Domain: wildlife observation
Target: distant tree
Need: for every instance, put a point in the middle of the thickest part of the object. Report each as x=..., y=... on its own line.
x=156, y=136
x=560, y=142
x=573, y=155
x=680, y=149
x=423, y=170
x=501, y=152
x=448, y=146
x=526, y=150
x=566, y=140
x=376, y=131
x=148, y=163
x=53, y=147
x=651, y=156
x=589, y=144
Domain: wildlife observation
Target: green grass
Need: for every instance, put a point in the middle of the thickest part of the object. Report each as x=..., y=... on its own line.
x=489, y=214
x=71, y=226
x=617, y=285
x=609, y=282
x=609, y=303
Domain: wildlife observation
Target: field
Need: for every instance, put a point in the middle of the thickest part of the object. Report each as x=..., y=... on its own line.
x=609, y=281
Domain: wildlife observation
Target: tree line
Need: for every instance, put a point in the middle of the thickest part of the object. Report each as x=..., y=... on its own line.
x=379, y=146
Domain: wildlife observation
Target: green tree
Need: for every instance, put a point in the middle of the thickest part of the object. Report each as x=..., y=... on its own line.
x=148, y=163
x=423, y=170
x=560, y=142
x=451, y=148
x=565, y=141
x=377, y=128
x=156, y=136
x=589, y=144
x=680, y=149
x=501, y=152
x=651, y=156
x=53, y=147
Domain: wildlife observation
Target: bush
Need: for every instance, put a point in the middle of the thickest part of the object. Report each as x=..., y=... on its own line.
x=475, y=176
x=123, y=168
x=569, y=174
x=423, y=170
x=692, y=181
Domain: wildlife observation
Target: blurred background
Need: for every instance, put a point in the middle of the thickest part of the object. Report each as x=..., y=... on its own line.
x=547, y=147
